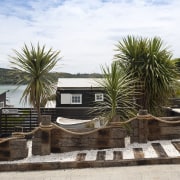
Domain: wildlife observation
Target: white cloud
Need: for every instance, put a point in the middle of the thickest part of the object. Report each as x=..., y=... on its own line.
x=85, y=31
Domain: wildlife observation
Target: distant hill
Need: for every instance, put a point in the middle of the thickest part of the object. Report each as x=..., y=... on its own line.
x=9, y=76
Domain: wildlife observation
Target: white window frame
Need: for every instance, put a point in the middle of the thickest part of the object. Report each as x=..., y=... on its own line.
x=76, y=95
x=97, y=97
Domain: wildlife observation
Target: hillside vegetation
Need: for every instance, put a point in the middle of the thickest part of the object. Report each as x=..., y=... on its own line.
x=9, y=76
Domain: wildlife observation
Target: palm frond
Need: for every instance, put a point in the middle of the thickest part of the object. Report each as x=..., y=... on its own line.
x=150, y=62
x=35, y=63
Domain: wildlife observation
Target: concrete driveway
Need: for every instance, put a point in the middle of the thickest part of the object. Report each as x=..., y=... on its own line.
x=154, y=172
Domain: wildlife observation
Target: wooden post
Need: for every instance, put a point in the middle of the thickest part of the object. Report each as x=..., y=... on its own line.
x=139, y=128
x=41, y=144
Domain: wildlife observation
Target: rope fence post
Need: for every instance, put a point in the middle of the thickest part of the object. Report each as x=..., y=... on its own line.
x=41, y=141
x=139, y=126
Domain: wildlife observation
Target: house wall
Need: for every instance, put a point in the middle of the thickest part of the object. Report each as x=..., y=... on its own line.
x=3, y=98
x=88, y=97
x=77, y=111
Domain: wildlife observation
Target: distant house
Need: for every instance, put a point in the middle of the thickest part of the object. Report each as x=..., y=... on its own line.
x=76, y=96
x=2, y=99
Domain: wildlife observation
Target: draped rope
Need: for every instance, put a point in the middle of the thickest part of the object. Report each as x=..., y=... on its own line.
x=80, y=133
x=18, y=135
x=146, y=117
x=124, y=122
x=165, y=121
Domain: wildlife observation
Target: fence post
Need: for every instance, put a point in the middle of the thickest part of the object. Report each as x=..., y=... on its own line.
x=41, y=142
x=139, y=128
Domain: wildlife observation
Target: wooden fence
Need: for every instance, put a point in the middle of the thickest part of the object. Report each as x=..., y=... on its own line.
x=21, y=119
x=25, y=119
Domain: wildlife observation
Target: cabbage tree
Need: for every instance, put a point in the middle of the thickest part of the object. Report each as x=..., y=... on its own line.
x=149, y=61
x=35, y=63
x=119, y=94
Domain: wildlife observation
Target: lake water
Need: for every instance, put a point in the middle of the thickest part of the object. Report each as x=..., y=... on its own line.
x=14, y=95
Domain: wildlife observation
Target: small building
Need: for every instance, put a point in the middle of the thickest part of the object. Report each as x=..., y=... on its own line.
x=2, y=99
x=75, y=97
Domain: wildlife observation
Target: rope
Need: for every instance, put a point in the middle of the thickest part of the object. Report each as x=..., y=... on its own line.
x=80, y=133
x=18, y=135
x=124, y=122
x=28, y=133
x=146, y=117
x=8, y=139
x=165, y=121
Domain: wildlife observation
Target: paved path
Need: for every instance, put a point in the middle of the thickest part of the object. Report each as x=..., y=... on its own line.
x=156, y=172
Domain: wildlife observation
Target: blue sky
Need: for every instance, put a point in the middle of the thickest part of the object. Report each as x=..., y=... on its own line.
x=85, y=31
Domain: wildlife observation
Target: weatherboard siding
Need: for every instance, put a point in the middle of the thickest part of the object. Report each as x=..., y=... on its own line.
x=88, y=98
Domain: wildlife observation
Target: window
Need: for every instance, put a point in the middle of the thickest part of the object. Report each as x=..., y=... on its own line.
x=65, y=98
x=99, y=97
x=71, y=98
x=1, y=104
x=76, y=99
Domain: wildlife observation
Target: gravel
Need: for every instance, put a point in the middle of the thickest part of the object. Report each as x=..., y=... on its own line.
x=127, y=152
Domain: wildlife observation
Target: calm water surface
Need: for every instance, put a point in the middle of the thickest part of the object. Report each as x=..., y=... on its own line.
x=14, y=94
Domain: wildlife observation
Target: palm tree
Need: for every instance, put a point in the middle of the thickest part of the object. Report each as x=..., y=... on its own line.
x=150, y=62
x=119, y=93
x=177, y=84
x=177, y=64
x=35, y=63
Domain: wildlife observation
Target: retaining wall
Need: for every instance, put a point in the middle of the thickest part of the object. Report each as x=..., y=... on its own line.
x=13, y=149
x=108, y=137
x=148, y=127
x=57, y=140
x=163, y=131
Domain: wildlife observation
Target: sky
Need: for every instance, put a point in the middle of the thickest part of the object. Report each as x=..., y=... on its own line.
x=85, y=31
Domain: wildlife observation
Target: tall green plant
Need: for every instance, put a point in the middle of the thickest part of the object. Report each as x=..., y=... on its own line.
x=150, y=62
x=177, y=64
x=119, y=94
x=177, y=84
x=35, y=63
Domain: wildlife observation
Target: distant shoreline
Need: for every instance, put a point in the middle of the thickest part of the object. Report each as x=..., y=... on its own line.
x=9, y=76
x=14, y=94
